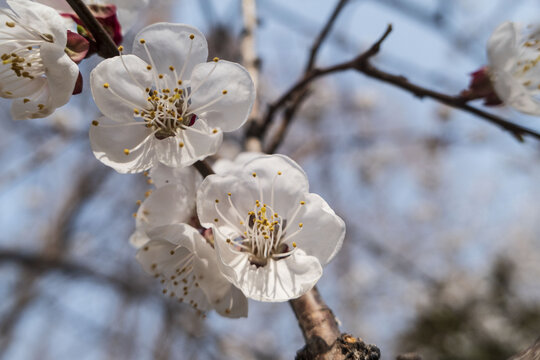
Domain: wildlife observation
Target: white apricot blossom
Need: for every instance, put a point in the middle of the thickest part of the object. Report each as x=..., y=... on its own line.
x=35, y=72
x=514, y=54
x=272, y=236
x=168, y=204
x=186, y=265
x=165, y=103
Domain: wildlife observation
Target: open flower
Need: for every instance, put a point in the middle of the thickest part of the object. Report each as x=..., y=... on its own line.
x=169, y=105
x=35, y=70
x=186, y=266
x=169, y=204
x=513, y=58
x=272, y=236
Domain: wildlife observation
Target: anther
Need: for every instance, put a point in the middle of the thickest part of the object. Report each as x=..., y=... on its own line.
x=181, y=145
x=224, y=92
x=302, y=203
x=142, y=41
x=191, y=36
x=171, y=252
x=148, y=67
x=10, y=24
x=215, y=131
x=279, y=172
x=106, y=85
x=160, y=76
x=95, y=122
x=300, y=225
x=254, y=175
x=217, y=201
x=120, y=48
x=171, y=68
x=293, y=244
x=216, y=59
x=126, y=151
x=216, y=220
x=138, y=202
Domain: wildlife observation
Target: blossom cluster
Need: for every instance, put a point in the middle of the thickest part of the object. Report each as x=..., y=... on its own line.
x=252, y=230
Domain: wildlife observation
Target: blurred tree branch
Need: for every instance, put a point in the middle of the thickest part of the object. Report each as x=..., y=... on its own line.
x=362, y=64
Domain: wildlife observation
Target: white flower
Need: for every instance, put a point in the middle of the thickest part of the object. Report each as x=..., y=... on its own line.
x=169, y=105
x=169, y=204
x=513, y=58
x=186, y=265
x=189, y=177
x=272, y=236
x=128, y=10
x=35, y=70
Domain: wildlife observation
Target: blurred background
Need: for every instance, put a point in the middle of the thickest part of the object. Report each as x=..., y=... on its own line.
x=442, y=254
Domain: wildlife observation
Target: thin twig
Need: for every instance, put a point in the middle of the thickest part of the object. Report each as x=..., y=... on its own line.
x=323, y=34
x=106, y=46
x=203, y=168
x=362, y=64
x=251, y=61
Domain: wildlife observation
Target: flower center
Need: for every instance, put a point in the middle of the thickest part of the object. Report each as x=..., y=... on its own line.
x=22, y=48
x=25, y=62
x=168, y=113
x=262, y=233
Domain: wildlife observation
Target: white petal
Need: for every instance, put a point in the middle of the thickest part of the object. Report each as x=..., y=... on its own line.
x=217, y=187
x=138, y=239
x=42, y=18
x=12, y=87
x=187, y=176
x=289, y=187
x=514, y=94
x=196, y=146
x=61, y=74
x=323, y=231
x=208, y=83
x=170, y=45
x=36, y=105
x=166, y=205
x=280, y=280
x=228, y=167
x=123, y=94
x=109, y=140
x=224, y=297
x=502, y=46
x=128, y=12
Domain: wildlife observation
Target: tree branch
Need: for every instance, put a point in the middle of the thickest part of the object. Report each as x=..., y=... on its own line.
x=323, y=34
x=362, y=64
x=106, y=46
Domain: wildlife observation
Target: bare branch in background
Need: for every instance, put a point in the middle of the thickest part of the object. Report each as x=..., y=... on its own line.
x=252, y=63
x=362, y=64
x=531, y=353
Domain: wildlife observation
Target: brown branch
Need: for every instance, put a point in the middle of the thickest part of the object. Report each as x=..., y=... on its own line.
x=362, y=64
x=321, y=332
x=106, y=46
x=531, y=353
x=252, y=64
x=203, y=168
x=41, y=263
x=323, y=34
